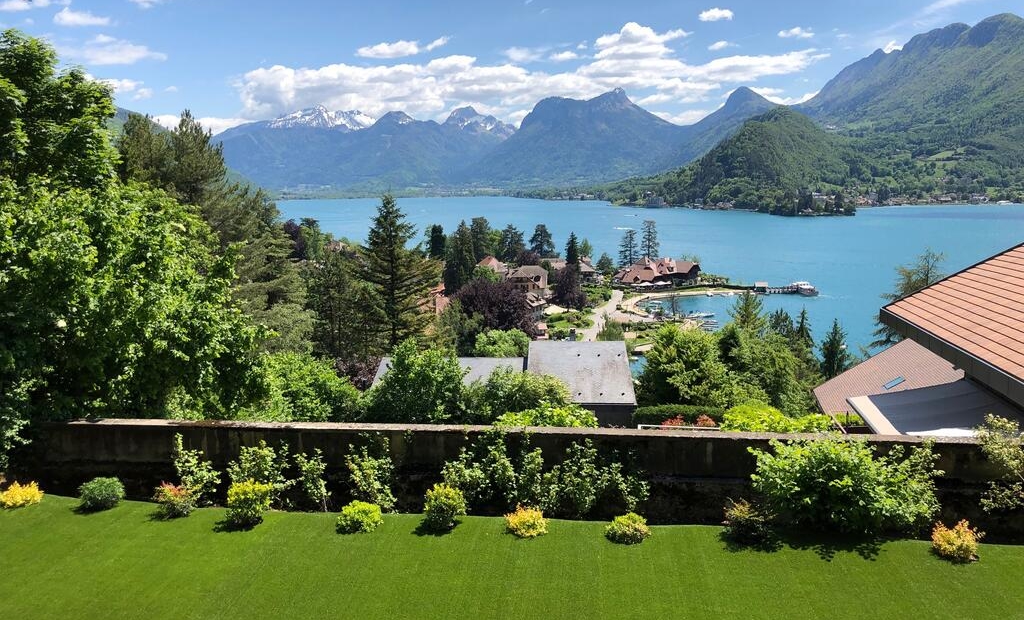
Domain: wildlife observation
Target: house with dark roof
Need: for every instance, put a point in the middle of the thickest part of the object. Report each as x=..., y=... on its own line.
x=967, y=359
x=658, y=272
x=587, y=271
x=597, y=374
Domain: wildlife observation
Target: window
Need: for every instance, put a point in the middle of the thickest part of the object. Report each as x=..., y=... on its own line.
x=890, y=385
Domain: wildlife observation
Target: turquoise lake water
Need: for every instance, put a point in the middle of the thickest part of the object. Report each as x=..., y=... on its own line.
x=851, y=260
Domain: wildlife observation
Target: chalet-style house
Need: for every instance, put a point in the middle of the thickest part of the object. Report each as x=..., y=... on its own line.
x=963, y=356
x=529, y=279
x=658, y=272
x=597, y=374
x=587, y=271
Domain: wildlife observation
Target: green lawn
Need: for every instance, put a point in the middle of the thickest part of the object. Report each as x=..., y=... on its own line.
x=122, y=564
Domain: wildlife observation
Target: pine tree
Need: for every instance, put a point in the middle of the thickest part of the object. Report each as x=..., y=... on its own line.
x=348, y=314
x=802, y=333
x=436, y=242
x=927, y=270
x=627, y=248
x=605, y=265
x=747, y=314
x=572, y=252
x=649, y=245
x=480, y=230
x=401, y=277
x=542, y=243
x=834, y=356
x=459, y=260
x=512, y=243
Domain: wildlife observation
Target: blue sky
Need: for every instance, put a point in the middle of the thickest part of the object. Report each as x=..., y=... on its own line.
x=233, y=61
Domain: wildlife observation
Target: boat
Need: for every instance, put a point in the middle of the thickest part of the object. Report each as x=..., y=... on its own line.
x=709, y=294
x=805, y=288
x=700, y=315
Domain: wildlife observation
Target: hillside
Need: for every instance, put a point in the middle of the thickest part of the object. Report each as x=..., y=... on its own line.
x=954, y=95
x=699, y=138
x=763, y=165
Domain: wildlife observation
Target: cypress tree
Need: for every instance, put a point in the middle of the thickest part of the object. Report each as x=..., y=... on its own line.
x=459, y=260
x=437, y=242
x=834, y=357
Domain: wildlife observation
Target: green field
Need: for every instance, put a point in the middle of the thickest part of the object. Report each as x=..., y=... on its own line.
x=123, y=564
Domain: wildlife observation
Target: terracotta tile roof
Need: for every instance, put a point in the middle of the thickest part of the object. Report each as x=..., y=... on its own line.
x=974, y=318
x=648, y=270
x=915, y=365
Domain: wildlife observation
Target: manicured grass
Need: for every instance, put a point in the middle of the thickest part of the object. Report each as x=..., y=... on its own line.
x=122, y=564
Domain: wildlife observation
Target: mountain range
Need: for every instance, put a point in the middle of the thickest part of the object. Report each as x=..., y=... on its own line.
x=942, y=113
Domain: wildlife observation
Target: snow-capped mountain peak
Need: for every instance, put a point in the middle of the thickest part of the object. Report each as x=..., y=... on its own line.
x=470, y=120
x=319, y=117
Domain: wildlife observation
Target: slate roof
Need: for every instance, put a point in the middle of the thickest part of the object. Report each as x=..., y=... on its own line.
x=478, y=367
x=974, y=319
x=596, y=372
x=903, y=366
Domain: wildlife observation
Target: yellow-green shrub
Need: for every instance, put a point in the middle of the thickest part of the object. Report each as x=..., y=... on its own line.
x=359, y=517
x=247, y=501
x=957, y=544
x=526, y=522
x=18, y=495
x=628, y=529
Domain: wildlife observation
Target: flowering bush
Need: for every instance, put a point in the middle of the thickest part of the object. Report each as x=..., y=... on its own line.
x=629, y=529
x=100, y=494
x=359, y=517
x=17, y=495
x=676, y=421
x=705, y=421
x=443, y=504
x=957, y=544
x=247, y=501
x=526, y=522
x=174, y=500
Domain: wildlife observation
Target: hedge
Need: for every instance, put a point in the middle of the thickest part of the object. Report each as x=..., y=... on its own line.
x=657, y=414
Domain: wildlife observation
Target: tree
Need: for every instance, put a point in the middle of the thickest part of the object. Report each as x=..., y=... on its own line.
x=347, y=311
x=572, y=251
x=52, y=125
x=305, y=389
x=927, y=270
x=502, y=343
x=457, y=330
x=459, y=260
x=511, y=244
x=834, y=356
x=586, y=249
x=628, y=248
x=649, y=246
x=480, y=230
x=568, y=288
x=605, y=265
x=437, y=242
x=802, y=332
x=541, y=242
x=779, y=322
x=611, y=331
x=420, y=387
x=684, y=367
x=746, y=313
x=496, y=305
x=114, y=305
x=400, y=276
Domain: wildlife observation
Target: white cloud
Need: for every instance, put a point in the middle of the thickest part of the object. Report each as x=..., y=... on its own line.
x=28, y=5
x=582, y=45
x=525, y=54
x=120, y=86
x=775, y=96
x=106, y=50
x=636, y=58
x=171, y=89
x=67, y=17
x=714, y=15
x=720, y=45
x=146, y=4
x=143, y=93
x=400, y=48
x=212, y=123
x=563, y=56
x=796, y=32
x=892, y=46
x=942, y=5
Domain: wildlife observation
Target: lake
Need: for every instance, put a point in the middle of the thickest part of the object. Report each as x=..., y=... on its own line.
x=851, y=260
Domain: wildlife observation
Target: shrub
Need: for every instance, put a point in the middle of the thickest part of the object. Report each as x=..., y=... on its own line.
x=628, y=529
x=959, y=544
x=1001, y=442
x=311, y=479
x=196, y=475
x=746, y=523
x=757, y=417
x=840, y=484
x=264, y=465
x=370, y=474
x=305, y=389
x=18, y=495
x=443, y=504
x=247, y=501
x=508, y=390
x=174, y=500
x=485, y=474
x=100, y=494
x=566, y=416
x=674, y=422
x=705, y=421
x=359, y=517
x=583, y=481
x=526, y=522
x=658, y=414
